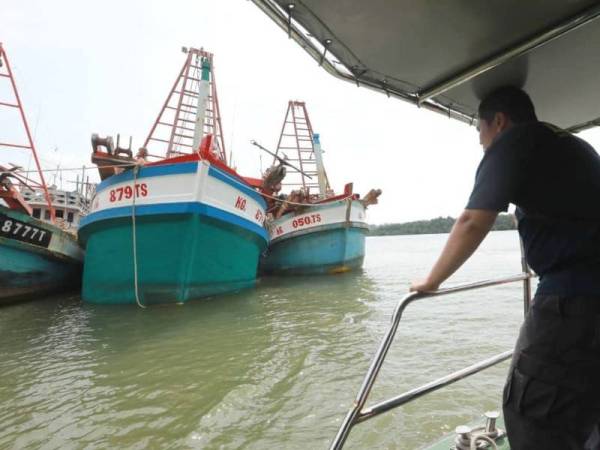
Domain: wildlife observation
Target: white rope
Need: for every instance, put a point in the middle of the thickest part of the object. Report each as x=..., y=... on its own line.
x=485, y=438
x=134, y=240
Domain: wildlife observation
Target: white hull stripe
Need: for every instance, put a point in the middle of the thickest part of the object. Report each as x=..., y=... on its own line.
x=318, y=216
x=152, y=171
x=321, y=228
x=192, y=184
x=181, y=168
x=226, y=178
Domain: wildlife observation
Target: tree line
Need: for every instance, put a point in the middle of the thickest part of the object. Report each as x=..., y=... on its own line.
x=434, y=226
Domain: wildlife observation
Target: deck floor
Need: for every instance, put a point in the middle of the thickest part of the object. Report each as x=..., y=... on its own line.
x=447, y=443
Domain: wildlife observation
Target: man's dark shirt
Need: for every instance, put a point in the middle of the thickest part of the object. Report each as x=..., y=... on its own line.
x=553, y=178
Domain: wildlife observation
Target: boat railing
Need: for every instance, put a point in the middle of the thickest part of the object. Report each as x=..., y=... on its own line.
x=358, y=413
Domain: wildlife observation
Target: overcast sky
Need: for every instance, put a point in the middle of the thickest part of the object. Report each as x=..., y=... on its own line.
x=107, y=66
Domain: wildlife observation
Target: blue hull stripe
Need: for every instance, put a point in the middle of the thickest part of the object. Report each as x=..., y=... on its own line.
x=175, y=208
x=224, y=177
x=152, y=171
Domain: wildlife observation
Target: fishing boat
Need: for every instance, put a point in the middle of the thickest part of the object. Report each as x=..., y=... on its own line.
x=312, y=229
x=70, y=206
x=443, y=57
x=178, y=223
x=37, y=256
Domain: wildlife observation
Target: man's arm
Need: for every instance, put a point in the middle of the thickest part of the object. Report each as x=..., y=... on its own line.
x=467, y=233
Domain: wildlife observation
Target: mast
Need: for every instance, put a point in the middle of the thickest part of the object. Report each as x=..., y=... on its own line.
x=190, y=111
x=321, y=175
x=301, y=147
x=30, y=145
x=203, y=95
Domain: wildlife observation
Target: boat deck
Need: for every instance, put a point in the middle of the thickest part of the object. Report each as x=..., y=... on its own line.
x=447, y=443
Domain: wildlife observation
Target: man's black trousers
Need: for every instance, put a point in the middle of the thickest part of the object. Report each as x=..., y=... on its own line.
x=552, y=394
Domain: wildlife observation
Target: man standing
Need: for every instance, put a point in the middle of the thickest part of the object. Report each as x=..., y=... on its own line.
x=552, y=395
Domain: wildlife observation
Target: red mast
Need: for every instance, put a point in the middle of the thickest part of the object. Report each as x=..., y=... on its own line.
x=172, y=133
x=10, y=195
x=297, y=145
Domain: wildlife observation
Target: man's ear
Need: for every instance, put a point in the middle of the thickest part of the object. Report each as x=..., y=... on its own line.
x=501, y=121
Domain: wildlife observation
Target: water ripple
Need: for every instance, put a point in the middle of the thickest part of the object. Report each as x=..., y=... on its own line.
x=274, y=367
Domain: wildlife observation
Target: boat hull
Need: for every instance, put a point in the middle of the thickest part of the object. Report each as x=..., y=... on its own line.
x=29, y=267
x=326, y=251
x=188, y=244
x=321, y=239
x=216, y=258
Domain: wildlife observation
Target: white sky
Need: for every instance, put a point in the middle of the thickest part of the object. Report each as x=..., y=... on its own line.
x=107, y=66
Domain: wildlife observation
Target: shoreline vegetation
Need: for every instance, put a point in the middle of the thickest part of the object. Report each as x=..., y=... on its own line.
x=434, y=226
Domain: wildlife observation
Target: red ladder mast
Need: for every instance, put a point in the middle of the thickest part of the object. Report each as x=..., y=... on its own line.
x=190, y=111
x=30, y=146
x=298, y=140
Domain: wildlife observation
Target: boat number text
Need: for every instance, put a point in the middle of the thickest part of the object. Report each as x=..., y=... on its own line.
x=14, y=229
x=126, y=192
x=240, y=203
x=306, y=220
x=259, y=216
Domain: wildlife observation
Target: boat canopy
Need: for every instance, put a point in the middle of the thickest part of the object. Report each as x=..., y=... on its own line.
x=447, y=55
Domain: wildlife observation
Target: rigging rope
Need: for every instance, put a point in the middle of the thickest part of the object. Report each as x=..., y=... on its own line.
x=67, y=169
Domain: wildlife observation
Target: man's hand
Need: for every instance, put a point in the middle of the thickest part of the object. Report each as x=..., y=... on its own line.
x=423, y=286
x=466, y=235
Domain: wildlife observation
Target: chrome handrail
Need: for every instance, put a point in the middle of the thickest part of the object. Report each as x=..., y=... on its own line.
x=356, y=413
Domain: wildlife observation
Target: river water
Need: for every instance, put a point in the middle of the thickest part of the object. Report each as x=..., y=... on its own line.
x=276, y=367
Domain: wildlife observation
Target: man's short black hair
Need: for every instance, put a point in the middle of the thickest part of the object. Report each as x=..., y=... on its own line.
x=510, y=100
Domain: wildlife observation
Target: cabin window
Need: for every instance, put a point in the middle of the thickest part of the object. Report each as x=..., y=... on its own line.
x=46, y=215
x=37, y=213
x=70, y=217
x=59, y=214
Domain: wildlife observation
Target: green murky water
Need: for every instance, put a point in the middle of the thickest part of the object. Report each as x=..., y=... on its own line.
x=272, y=368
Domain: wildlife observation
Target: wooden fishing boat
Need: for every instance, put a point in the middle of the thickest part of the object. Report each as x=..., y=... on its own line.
x=183, y=226
x=36, y=256
x=444, y=57
x=312, y=233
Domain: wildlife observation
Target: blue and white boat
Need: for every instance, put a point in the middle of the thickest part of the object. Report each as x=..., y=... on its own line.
x=318, y=239
x=310, y=233
x=182, y=227
x=179, y=229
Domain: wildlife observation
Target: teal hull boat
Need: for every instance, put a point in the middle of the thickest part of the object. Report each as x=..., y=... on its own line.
x=182, y=227
x=320, y=239
x=313, y=233
x=188, y=244
x=36, y=258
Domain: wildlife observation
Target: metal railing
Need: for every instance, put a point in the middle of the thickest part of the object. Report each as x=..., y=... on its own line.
x=357, y=414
